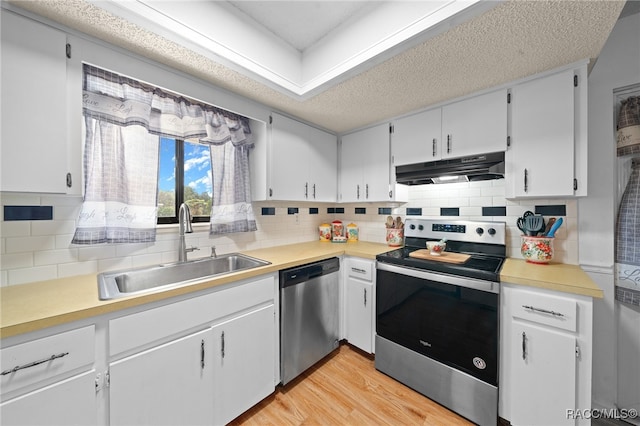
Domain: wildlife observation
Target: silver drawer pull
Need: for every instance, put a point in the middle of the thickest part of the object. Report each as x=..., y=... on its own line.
x=33, y=364
x=360, y=271
x=544, y=311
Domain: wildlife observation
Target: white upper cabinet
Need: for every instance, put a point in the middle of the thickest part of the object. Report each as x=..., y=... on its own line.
x=477, y=125
x=547, y=153
x=365, y=166
x=34, y=107
x=417, y=138
x=302, y=162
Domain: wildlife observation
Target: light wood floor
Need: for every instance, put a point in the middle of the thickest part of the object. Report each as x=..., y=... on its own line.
x=346, y=389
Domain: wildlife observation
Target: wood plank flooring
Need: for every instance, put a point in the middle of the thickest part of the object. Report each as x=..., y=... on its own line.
x=346, y=389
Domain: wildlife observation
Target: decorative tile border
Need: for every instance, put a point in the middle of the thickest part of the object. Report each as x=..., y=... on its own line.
x=293, y=210
x=360, y=210
x=13, y=213
x=414, y=211
x=313, y=210
x=384, y=210
x=449, y=211
x=268, y=211
x=552, y=210
x=494, y=211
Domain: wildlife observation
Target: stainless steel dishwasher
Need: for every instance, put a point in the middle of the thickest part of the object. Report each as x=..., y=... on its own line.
x=309, y=325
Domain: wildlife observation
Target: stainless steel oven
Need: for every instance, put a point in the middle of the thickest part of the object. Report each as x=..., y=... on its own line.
x=437, y=325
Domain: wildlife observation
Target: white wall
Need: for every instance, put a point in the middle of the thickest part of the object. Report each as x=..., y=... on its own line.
x=617, y=66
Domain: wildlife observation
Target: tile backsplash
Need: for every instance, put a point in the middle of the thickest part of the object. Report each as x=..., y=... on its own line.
x=35, y=250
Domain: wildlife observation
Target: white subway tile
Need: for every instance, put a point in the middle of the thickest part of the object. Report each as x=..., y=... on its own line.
x=96, y=252
x=78, y=268
x=27, y=275
x=16, y=260
x=114, y=264
x=29, y=244
x=19, y=228
x=52, y=227
x=54, y=257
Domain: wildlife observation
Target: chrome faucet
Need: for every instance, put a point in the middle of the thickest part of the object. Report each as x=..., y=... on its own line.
x=184, y=223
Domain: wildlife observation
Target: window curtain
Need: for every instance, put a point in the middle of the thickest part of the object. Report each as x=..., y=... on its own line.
x=124, y=121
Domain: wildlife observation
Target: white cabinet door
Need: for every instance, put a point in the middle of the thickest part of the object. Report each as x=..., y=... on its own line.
x=541, y=155
x=69, y=402
x=322, y=166
x=34, y=105
x=303, y=162
x=359, y=321
x=417, y=138
x=168, y=384
x=477, y=125
x=365, y=165
x=542, y=376
x=243, y=363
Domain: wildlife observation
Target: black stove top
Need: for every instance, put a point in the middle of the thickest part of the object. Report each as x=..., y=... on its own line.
x=486, y=248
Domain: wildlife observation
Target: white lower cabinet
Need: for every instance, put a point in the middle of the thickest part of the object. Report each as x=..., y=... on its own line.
x=68, y=402
x=200, y=361
x=360, y=302
x=168, y=384
x=49, y=380
x=242, y=362
x=546, y=356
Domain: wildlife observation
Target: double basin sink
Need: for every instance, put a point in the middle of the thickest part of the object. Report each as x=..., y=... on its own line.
x=112, y=285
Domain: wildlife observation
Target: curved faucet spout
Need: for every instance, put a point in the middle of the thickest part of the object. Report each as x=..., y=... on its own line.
x=184, y=219
x=184, y=223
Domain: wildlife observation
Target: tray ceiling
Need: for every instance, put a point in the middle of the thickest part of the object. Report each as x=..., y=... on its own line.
x=348, y=67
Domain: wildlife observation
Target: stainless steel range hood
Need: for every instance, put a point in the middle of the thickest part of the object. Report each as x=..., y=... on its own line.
x=472, y=168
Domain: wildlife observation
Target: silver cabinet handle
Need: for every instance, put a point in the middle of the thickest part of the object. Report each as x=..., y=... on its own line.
x=526, y=183
x=306, y=190
x=33, y=364
x=358, y=270
x=222, y=345
x=544, y=311
x=448, y=144
x=367, y=191
x=314, y=191
x=358, y=191
x=524, y=345
x=434, y=146
x=365, y=297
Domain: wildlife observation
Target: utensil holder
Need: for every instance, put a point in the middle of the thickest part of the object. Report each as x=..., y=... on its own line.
x=395, y=237
x=537, y=249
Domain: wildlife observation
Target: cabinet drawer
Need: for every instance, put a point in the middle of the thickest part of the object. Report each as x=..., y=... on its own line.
x=548, y=309
x=360, y=269
x=142, y=328
x=58, y=355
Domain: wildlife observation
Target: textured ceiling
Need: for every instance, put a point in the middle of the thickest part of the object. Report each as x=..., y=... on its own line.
x=511, y=41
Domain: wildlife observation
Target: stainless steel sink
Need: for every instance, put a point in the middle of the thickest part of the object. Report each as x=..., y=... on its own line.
x=112, y=285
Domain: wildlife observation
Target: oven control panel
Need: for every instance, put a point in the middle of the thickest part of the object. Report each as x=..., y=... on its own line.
x=459, y=230
x=448, y=227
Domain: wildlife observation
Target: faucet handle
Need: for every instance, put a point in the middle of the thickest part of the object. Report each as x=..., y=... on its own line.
x=213, y=251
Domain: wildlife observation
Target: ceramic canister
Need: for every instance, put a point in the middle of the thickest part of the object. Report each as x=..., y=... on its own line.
x=337, y=228
x=324, y=232
x=352, y=233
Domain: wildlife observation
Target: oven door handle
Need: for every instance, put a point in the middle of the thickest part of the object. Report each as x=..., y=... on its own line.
x=482, y=285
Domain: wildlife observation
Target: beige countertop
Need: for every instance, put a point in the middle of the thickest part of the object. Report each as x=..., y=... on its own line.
x=30, y=307
x=552, y=276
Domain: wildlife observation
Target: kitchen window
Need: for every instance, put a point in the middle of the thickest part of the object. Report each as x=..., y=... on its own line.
x=147, y=150
x=184, y=175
